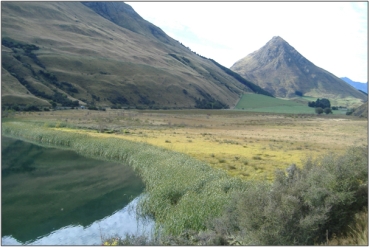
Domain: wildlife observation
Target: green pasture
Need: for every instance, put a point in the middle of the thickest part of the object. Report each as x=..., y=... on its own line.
x=262, y=103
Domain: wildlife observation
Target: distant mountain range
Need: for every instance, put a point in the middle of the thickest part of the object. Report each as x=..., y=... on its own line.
x=105, y=54
x=281, y=70
x=358, y=85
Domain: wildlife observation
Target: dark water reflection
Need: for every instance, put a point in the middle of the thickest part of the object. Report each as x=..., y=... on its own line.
x=47, y=189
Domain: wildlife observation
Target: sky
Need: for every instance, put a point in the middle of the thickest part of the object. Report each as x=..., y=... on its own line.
x=332, y=35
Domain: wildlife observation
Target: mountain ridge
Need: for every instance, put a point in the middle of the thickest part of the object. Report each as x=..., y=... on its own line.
x=363, y=86
x=281, y=70
x=132, y=21
x=77, y=54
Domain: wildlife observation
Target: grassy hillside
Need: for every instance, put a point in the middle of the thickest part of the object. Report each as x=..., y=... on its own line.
x=65, y=50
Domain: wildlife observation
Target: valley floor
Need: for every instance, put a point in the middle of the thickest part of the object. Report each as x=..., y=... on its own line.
x=246, y=145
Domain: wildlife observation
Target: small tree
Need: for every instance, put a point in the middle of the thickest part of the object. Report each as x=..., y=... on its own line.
x=319, y=110
x=323, y=103
x=299, y=93
x=311, y=104
x=327, y=110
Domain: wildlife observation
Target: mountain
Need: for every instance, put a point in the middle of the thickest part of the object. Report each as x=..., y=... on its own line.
x=358, y=85
x=104, y=54
x=281, y=70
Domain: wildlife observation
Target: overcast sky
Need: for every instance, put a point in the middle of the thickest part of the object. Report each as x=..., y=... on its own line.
x=332, y=35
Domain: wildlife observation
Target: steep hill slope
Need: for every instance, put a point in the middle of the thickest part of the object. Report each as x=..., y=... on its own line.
x=104, y=54
x=362, y=111
x=281, y=70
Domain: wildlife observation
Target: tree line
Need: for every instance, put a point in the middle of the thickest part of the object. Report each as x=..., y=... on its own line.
x=321, y=106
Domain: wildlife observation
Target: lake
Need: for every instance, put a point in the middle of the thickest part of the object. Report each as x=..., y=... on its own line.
x=54, y=196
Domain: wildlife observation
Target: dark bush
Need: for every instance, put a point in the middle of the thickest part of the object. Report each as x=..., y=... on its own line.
x=299, y=93
x=118, y=100
x=16, y=108
x=31, y=108
x=350, y=111
x=116, y=107
x=97, y=98
x=92, y=108
x=327, y=110
x=323, y=103
x=311, y=104
x=210, y=104
x=319, y=110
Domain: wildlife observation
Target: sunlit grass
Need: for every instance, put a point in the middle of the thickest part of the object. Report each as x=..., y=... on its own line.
x=239, y=155
x=244, y=158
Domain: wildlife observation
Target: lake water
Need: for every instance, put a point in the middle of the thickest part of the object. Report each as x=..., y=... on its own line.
x=56, y=197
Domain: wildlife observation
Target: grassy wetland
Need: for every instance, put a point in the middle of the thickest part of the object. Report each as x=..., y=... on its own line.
x=202, y=161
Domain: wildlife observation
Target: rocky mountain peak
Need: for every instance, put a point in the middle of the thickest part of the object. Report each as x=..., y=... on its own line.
x=277, y=40
x=278, y=49
x=281, y=70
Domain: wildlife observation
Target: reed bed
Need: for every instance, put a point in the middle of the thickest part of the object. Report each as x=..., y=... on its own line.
x=181, y=193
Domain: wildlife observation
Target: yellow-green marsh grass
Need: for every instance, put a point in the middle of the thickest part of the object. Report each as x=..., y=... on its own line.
x=262, y=142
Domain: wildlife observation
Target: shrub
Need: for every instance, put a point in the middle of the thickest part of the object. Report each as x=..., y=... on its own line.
x=94, y=108
x=31, y=108
x=16, y=108
x=327, y=110
x=299, y=93
x=319, y=110
x=302, y=203
x=350, y=111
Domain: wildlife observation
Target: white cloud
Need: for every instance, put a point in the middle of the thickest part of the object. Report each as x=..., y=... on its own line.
x=332, y=35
